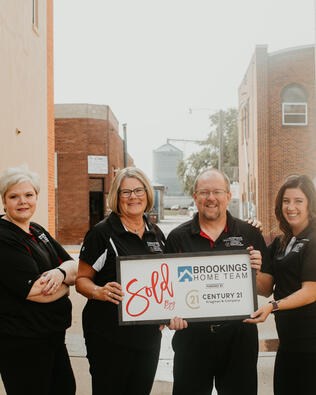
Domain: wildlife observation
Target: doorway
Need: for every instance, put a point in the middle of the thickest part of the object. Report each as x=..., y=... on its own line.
x=96, y=200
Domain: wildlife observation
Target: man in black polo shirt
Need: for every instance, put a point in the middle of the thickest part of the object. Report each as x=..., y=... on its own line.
x=224, y=351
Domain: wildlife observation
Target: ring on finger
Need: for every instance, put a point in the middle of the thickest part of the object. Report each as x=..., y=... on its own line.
x=109, y=293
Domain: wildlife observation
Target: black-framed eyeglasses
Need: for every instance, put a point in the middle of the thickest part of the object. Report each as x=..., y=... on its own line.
x=126, y=193
x=205, y=193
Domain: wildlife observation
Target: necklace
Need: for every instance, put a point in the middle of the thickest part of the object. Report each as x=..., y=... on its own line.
x=137, y=231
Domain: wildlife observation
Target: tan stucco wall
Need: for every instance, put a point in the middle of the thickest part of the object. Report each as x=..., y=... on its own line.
x=23, y=92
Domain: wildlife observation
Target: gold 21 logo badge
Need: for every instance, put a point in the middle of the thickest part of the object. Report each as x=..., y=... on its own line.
x=192, y=299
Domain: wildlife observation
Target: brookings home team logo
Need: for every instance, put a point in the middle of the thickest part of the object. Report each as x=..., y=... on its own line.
x=185, y=274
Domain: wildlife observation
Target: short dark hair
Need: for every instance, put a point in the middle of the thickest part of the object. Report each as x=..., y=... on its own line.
x=306, y=185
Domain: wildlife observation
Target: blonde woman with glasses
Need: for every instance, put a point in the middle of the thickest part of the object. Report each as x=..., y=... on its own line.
x=123, y=359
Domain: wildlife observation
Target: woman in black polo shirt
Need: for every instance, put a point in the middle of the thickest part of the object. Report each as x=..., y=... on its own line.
x=291, y=277
x=35, y=274
x=123, y=359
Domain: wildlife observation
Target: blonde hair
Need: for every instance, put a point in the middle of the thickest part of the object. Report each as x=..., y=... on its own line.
x=16, y=175
x=129, y=172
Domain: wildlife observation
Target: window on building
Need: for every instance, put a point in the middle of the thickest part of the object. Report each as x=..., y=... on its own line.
x=245, y=122
x=294, y=106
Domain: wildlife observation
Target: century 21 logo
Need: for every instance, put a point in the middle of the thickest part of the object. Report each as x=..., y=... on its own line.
x=192, y=299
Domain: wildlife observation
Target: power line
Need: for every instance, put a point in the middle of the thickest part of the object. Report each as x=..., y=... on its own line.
x=185, y=140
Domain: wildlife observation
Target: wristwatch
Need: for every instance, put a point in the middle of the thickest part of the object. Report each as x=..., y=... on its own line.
x=274, y=305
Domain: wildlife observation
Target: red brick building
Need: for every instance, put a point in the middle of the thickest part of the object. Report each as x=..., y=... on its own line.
x=277, y=127
x=89, y=151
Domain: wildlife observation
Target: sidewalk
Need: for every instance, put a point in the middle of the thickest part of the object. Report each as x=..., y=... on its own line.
x=163, y=380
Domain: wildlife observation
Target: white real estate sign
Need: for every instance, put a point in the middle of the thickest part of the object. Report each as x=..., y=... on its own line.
x=215, y=286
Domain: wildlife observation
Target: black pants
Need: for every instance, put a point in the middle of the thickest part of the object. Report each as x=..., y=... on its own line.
x=229, y=356
x=36, y=366
x=295, y=373
x=119, y=370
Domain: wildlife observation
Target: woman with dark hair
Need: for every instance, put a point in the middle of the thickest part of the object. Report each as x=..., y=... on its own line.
x=291, y=276
x=123, y=359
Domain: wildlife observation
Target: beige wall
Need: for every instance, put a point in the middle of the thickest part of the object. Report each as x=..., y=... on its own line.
x=23, y=92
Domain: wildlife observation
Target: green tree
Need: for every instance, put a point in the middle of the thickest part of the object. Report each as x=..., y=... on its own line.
x=208, y=155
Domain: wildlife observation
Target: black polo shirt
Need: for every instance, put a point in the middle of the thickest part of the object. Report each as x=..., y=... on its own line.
x=238, y=234
x=296, y=327
x=24, y=257
x=101, y=246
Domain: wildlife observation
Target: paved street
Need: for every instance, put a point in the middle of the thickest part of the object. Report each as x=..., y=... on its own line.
x=163, y=381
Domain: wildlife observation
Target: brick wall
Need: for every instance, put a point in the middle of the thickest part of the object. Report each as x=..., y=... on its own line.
x=75, y=139
x=292, y=148
x=50, y=120
x=275, y=150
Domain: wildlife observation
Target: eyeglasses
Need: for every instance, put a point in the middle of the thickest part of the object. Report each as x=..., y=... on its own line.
x=205, y=193
x=127, y=193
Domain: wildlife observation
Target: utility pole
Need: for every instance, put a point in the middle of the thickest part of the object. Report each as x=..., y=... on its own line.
x=220, y=132
x=125, y=145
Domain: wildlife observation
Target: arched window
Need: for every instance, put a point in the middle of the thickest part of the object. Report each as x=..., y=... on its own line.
x=294, y=105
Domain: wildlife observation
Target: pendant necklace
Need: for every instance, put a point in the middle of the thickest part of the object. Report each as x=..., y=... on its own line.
x=133, y=230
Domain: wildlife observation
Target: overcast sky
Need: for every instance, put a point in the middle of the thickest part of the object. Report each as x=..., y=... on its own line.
x=153, y=60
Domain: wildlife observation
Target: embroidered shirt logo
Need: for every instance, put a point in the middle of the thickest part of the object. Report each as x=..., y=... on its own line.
x=234, y=241
x=154, y=246
x=43, y=238
x=297, y=247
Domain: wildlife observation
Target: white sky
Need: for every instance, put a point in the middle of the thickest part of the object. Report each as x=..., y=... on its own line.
x=152, y=60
